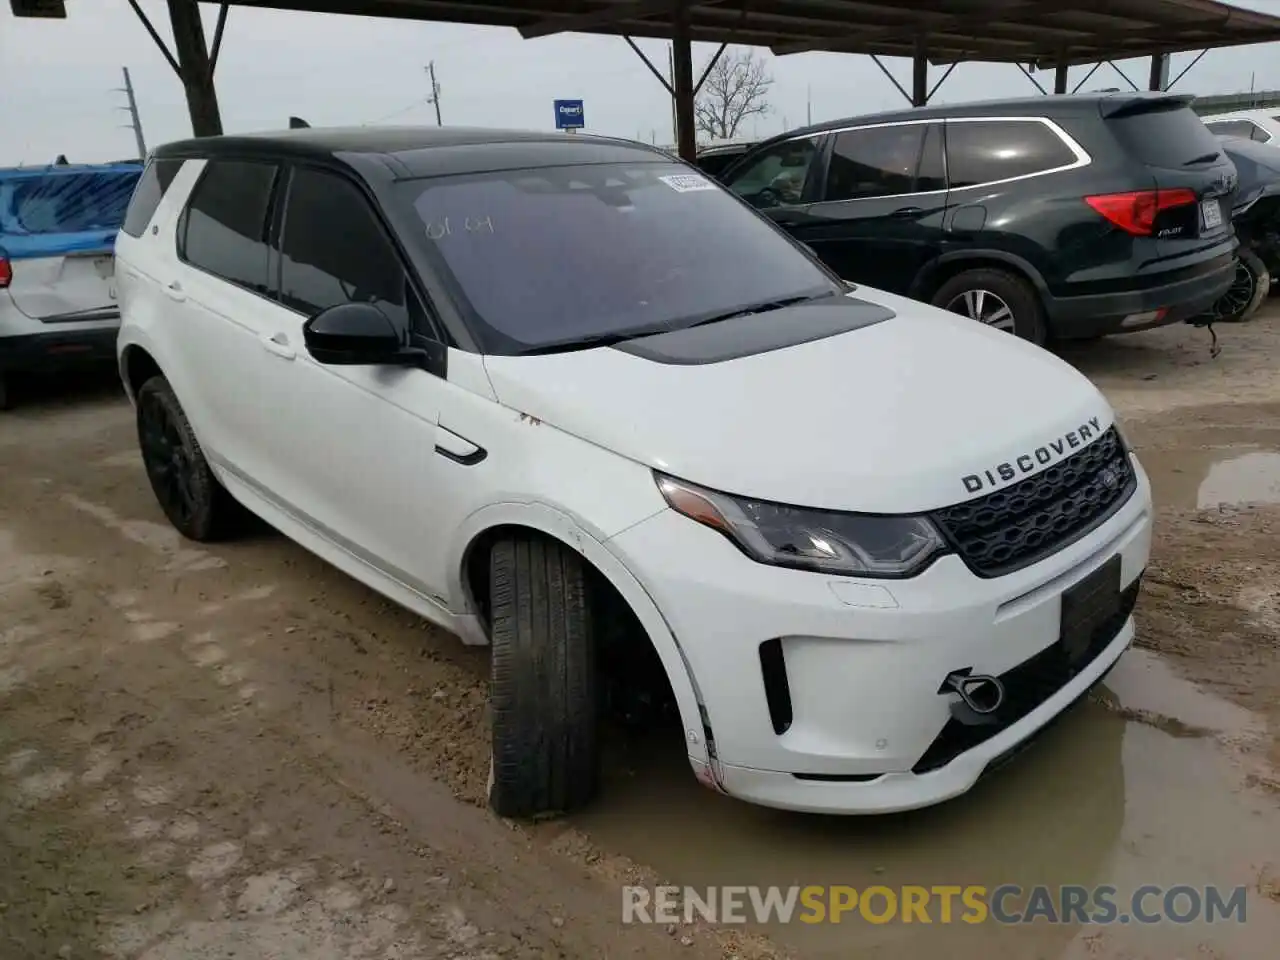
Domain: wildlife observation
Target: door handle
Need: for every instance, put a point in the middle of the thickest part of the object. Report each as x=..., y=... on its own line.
x=903, y=212
x=175, y=291
x=279, y=345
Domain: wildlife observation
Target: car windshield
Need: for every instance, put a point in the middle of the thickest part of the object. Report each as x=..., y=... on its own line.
x=587, y=253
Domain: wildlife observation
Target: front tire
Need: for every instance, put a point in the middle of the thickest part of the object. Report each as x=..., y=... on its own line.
x=996, y=298
x=184, y=485
x=542, y=681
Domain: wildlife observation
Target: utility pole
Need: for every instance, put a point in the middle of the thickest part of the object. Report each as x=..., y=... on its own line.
x=809, y=103
x=671, y=82
x=434, y=99
x=136, y=124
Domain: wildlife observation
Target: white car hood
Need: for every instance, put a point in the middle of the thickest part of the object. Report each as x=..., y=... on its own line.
x=890, y=418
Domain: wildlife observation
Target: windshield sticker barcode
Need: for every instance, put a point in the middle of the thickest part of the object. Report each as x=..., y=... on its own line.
x=687, y=182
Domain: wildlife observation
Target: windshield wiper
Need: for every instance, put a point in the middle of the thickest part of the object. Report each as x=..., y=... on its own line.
x=588, y=342
x=756, y=308
x=610, y=339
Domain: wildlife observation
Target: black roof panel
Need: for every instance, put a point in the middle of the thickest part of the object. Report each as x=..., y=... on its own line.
x=421, y=151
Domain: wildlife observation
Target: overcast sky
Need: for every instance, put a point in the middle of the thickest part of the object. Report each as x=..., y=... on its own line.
x=58, y=78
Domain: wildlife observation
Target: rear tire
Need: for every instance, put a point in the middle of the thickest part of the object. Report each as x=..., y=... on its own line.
x=989, y=295
x=542, y=681
x=184, y=485
x=1247, y=301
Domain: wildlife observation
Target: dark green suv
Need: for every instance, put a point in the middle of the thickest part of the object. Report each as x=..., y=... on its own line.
x=1067, y=217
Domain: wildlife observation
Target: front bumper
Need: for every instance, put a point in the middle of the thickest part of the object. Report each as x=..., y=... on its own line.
x=864, y=660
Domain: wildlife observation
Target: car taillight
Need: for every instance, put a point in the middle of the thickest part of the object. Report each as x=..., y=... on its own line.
x=6, y=272
x=1136, y=212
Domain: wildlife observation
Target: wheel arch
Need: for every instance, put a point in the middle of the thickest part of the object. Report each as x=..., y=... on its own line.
x=137, y=366
x=470, y=552
x=941, y=269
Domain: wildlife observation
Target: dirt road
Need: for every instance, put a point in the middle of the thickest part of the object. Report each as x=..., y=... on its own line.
x=238, y=752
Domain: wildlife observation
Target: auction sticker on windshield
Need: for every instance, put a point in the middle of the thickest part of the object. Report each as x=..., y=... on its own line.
x=687, y=182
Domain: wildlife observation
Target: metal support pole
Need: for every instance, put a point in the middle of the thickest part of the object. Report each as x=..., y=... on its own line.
x=1159, y=79
x=920, y=73
x=136, y=121
x=195, y=68
x=1060, y=78
x=682, y=84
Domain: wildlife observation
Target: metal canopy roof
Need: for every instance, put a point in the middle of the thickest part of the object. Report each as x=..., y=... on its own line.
x=1044, y=33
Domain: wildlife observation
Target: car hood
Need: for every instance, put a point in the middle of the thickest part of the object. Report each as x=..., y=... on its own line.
x=923, y=410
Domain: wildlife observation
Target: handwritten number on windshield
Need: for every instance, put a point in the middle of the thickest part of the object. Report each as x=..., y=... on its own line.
x=439, y=229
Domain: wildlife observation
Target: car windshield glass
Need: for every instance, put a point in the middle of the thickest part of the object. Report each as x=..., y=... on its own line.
x=554, y=255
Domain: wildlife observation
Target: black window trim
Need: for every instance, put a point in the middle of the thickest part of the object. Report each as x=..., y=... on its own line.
x=1082, y=157
x=180, y=230
x=278, y=224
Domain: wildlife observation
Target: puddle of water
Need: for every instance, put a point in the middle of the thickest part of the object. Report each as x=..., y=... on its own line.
x=1144, y=682
x=1207, y=477
x=1099, y=800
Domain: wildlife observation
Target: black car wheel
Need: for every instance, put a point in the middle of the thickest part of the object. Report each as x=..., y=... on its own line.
x=543, y=680
x=184, y=485
x=1248, y=290
x=996, y=298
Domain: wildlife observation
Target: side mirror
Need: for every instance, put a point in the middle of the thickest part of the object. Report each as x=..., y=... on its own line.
x=355, y=333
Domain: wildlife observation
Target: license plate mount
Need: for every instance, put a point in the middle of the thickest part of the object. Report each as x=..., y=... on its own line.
x=1086, y=607
x=1211, y=212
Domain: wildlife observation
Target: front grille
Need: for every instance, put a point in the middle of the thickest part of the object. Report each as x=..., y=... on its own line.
x=1010, y=529
x=1027, y=686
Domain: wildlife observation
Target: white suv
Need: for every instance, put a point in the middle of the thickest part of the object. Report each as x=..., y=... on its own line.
x=566, y=396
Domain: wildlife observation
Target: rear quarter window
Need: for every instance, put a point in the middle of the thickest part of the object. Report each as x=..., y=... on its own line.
x=1166, y=136
x=152, y=186
x=985, y=151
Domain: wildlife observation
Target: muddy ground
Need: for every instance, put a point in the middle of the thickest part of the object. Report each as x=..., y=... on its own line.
x=238, y=752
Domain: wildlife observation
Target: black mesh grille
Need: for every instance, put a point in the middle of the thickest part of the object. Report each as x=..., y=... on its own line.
x=1027, y=685
x=1013, y=528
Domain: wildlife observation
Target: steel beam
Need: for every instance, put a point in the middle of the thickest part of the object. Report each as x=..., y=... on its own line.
x=682, y=82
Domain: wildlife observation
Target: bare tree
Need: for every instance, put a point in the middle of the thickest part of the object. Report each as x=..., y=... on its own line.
x=736, y=88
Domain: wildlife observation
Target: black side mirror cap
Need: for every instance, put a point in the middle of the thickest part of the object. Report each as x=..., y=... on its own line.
x=354, y=333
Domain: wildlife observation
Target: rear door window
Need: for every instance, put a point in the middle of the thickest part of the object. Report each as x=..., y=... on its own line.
x=986, y=151
x=777, y=175
x=875, y=162
x=225, y=225
x=1165, y=135
x=152, y=186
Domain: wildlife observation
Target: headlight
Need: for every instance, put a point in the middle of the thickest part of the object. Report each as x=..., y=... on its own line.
x=817, y=540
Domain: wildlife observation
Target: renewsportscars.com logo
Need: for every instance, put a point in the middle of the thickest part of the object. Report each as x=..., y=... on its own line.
x=1007, y=904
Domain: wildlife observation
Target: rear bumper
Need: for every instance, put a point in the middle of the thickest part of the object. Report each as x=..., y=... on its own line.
x=58, y=350
x=1072, y=318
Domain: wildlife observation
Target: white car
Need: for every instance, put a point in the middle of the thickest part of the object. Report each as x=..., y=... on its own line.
x=57, y=296
x=567, y=397
x=1260, y=125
